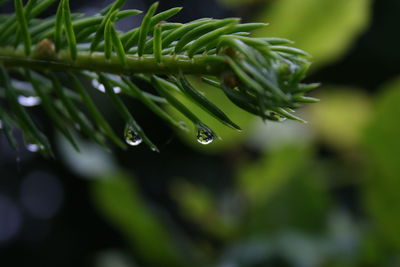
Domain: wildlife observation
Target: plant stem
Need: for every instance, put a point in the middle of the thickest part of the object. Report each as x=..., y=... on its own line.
x=206, y=65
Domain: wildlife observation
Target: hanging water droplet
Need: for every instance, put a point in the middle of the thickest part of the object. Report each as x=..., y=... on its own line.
x=101, y=88
x=34, y=147
x=273, y=116
x=117, y=89
x=205, y=137
x=154, y=149
x=98, y=86
x=132, y=138
x=29, y=101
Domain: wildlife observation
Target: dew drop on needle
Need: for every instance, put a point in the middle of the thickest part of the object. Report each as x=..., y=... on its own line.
x=204, y=137
x=28, y=101
x=34, y=147
x=132, y=138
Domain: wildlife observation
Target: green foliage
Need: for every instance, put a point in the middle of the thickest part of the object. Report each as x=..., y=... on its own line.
x=283, y=189
x=325, y=34
x=119, y=200
x=198, y=205
x=230, y=137
x=260, y=180
x=295, y=198
x=382, y=180
x=287, y=204
x=23, y=25
x=260, y=75
x=341, y=126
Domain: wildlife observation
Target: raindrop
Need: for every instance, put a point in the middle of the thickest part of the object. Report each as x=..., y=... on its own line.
x=29, y=101
x=117, y=89
x=101, y=88
x=132, y=138
x=34, y=147
x=273, y=116
x=205, y=137
x=154, y=149
x=98, y=86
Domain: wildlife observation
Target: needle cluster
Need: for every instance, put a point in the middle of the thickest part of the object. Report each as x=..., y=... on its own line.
x=60, y=55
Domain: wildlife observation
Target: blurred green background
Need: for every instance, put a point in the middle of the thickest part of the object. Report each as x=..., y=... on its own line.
x=325, y=193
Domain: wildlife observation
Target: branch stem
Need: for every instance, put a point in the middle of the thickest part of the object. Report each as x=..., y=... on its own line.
x=97, y=62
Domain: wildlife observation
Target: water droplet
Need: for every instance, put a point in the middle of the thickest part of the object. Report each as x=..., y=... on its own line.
x=117, y=89
x=1, y=124
x=34, y=147
x=101, y=88
x=132, y=138
x=98, y=86
x=29, y=101
x=205, y=137
x=273, y=116
x=154, y=149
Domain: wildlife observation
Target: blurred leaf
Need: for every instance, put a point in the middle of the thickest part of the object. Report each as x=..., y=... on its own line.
x=382, y=182
x=117, y=198
x=199, y=205
x=261, y=180
x=90, y=161
x=324, y=28
x=230, y=137
x=340, y=117
x=272, y=135
x=284, y=190
x=196, y=201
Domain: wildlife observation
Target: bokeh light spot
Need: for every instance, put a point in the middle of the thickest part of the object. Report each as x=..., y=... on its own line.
x=10, y=219
x=41, y=195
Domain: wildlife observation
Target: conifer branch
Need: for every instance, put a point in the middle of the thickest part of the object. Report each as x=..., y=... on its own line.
x=260, y=75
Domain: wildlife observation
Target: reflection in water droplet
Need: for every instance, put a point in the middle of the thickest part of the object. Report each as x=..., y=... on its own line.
x=101, y=88
x=132, y=138
x=273, y=116
x=29, y=101
x=34, y=147
x=205, y=137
